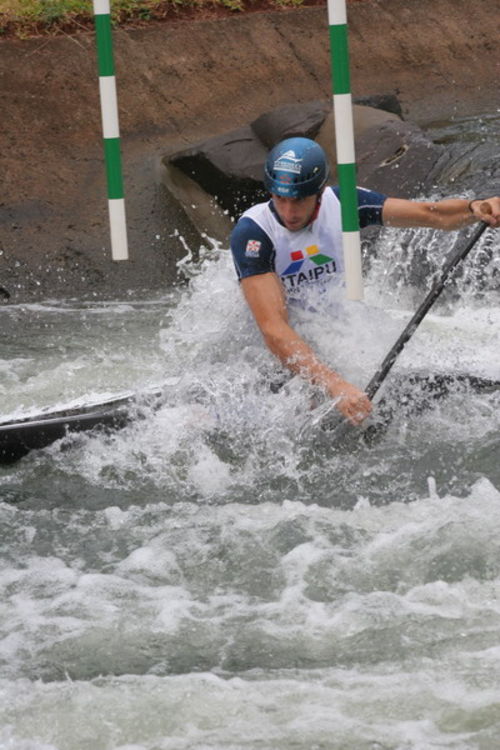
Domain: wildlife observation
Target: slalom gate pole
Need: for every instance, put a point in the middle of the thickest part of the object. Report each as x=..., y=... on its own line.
x=111, y=130
x=344, y=135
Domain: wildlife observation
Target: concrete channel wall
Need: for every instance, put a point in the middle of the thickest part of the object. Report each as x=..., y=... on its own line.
x=183, y=81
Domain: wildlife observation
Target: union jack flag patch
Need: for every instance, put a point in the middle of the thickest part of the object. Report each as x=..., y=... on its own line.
x=252, y=248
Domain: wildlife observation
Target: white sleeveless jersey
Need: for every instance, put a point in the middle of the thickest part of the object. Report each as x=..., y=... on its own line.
x=309, y=255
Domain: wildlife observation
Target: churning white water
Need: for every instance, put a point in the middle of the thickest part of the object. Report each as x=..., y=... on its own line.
x=221, y=574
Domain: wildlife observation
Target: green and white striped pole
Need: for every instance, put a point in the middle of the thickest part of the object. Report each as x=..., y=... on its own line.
x=111, y=130
x=344, y=136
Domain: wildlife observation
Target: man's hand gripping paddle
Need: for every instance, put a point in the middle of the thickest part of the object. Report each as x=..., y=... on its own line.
x=345, y=427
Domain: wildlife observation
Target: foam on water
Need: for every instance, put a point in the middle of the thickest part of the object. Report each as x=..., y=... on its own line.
x=319, y=628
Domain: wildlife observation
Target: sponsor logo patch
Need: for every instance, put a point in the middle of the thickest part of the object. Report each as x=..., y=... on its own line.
x=252, y=248
x=297, y=258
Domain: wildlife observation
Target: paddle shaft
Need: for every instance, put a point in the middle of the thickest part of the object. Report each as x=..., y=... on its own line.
x=420, y=313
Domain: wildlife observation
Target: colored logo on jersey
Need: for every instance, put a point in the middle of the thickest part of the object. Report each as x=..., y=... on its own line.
x=297, y=257
x=288, y=162
x=252, y=248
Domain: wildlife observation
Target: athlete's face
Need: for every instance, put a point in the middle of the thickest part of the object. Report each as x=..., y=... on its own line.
x=295, y=213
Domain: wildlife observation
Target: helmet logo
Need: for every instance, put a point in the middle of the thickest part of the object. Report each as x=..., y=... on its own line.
x=288, y=162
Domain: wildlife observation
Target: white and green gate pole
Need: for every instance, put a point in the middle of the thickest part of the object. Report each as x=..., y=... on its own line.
x=344, y=136
x=111, y=130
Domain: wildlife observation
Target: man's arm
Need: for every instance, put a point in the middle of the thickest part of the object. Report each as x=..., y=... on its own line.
x=265, y=297
x=450, y=213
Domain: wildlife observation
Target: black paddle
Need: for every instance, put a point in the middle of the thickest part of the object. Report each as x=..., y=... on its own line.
x=382, y=372
x=380, y=375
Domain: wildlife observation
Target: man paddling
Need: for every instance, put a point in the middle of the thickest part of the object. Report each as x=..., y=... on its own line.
x=283, y=246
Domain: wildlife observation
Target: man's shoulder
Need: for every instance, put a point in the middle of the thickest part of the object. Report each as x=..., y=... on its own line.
x=256, y=211
x=251, y=245
x=255, y=221
x=246, y=227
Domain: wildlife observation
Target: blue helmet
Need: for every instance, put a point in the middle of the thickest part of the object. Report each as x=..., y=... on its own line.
x=296, y=168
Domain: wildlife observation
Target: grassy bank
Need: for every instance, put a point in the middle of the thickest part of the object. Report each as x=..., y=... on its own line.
x=26, y=18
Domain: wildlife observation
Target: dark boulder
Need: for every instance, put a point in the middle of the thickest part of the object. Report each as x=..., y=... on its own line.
x=398, y=159
x=227, y=167
x=386, y=102
x=290, y=121
x=393, y=156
